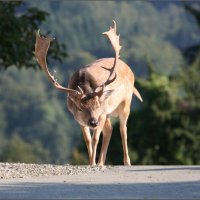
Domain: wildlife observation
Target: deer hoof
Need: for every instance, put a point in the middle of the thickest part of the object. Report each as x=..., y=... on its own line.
x=100, y=164
x=127, y=162
x=93, y=164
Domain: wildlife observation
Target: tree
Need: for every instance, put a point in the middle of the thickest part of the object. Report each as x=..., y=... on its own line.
x=16, y=149
x=18, y=25
x=30, y=109
x=36, y=116
x=193, y=51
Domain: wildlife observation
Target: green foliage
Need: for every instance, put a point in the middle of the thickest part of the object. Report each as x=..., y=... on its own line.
x=17, y=150
x=78, y=158
x=34, y=125
x=17, y=35
x=35, y=115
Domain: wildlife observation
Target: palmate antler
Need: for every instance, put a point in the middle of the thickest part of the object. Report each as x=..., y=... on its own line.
x=114, y=39
x=41, y=48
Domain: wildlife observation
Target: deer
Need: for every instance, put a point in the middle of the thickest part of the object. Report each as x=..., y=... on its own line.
x=95, y=93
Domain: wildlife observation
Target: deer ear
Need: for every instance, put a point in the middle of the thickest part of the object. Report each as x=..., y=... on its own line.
x=105, y=95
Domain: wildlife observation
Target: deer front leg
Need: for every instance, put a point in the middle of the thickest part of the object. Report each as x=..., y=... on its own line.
x=88, y=141
x=107, y=132
x=95, y=137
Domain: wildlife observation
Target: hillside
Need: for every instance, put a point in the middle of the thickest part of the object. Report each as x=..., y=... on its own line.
x=35, y=125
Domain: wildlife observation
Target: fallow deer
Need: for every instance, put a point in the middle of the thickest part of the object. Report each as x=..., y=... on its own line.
x=97, y=91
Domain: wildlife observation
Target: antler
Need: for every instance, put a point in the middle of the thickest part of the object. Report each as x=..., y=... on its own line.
x=114, y=39
x=41, y=48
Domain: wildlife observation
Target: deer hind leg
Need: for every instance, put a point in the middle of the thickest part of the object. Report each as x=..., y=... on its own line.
x=95, y=138
x=107, y=132
x=124, y=110
x=88, y=141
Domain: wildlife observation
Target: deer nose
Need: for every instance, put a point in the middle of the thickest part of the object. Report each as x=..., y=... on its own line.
x=93, y=122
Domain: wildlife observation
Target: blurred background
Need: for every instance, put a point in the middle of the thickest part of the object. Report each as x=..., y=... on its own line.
x=160, y=42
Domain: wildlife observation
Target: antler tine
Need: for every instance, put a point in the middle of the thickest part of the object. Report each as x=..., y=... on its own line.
x=114, y=39
x=41, y=48
x=81, y=92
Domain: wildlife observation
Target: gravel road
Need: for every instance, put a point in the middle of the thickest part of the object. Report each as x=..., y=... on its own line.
x=22, y=170
x=22, y=181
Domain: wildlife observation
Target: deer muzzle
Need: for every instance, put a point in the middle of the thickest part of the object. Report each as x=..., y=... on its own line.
x=93, y=122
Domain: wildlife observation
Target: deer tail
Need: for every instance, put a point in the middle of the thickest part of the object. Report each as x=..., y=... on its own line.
x=137, y=94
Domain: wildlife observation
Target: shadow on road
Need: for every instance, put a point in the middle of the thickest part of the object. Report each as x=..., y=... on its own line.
x=165, y=169
x=175, y=190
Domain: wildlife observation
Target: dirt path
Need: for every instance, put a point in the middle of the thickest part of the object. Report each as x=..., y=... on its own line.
x=135, y=182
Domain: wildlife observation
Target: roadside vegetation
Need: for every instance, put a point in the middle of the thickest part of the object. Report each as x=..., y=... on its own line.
x=161, y=43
